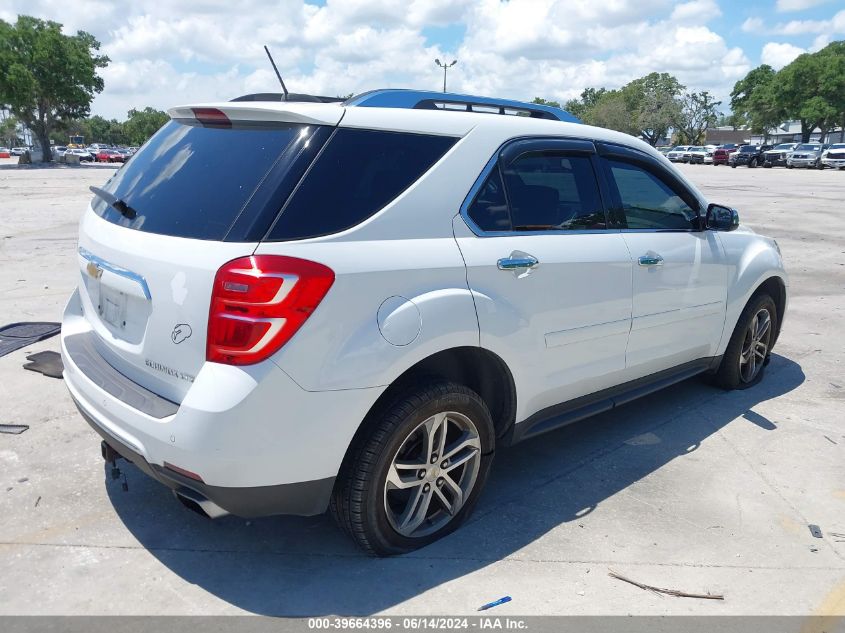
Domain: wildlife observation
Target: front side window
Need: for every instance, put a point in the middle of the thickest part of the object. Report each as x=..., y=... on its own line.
x=647, y=202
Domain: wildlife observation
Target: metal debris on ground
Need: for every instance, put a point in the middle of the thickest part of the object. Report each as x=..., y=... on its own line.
x=668, y=592
x=13, y=429
x=815, y=530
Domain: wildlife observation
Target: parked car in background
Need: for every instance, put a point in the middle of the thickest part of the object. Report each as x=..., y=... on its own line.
x=110, y=156
x=5, y=152
x=664, y=150
x=834, y=156
x=262, y=358
x=776, y=157
x=720, y=156
x=696, y=155
x=807, y=155
x=84, y=155
x=59, y=151
x=749, y=155
x=676, y=154
x=19, y=151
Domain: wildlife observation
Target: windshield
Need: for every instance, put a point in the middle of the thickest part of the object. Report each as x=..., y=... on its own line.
x=809, y=147
x=838, y=146
x=748, y=149
x=785, y=146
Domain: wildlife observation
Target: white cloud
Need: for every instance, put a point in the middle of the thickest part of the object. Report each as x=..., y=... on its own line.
x=834, y=25
x=696, y=11
x=797, y=5
x=753, y=25
x=165, y=54
x=777, y=55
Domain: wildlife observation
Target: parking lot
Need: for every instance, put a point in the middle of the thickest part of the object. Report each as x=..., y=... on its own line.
x=692, y=488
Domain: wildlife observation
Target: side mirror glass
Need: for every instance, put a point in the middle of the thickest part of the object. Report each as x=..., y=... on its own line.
x=720, y=218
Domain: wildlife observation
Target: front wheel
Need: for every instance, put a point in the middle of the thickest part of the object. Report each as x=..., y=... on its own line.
x=752, y=163
x=417, y=472
x=751, y=344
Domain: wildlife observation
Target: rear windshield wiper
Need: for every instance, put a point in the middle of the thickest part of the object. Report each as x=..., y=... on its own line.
x=124, y=209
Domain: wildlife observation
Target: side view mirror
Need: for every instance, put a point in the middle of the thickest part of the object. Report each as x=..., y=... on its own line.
x=721, y=218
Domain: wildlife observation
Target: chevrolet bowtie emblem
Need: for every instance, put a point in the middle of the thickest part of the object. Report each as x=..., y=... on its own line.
x=93, y=270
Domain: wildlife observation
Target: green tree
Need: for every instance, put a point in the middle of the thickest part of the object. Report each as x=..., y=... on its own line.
x=541, y=101
x=46, y=76
x=611, y=111
x=810, y=89
x=8, y=130
x=142, y=124
x=654, y=104
x=581, y=107
x=754, y=100
x=698, y=111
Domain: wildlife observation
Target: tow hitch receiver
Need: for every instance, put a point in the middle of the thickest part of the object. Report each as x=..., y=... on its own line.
x=111, y=456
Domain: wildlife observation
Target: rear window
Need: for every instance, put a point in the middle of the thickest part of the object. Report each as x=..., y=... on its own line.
x=195, y=182
x=357, y=174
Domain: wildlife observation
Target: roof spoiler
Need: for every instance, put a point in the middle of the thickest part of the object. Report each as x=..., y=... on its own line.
x=278, y=96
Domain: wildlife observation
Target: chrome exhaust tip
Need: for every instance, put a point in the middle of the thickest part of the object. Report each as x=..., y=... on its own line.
x=193, y=500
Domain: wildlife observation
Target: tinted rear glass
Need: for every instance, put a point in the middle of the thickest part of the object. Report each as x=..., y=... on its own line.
x=193, y=181
x=356, y=175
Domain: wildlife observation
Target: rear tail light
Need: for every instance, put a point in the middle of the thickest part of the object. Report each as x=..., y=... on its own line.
x=259, y=302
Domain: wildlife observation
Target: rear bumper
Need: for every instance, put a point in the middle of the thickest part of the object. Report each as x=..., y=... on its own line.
x=305, y=498
x=260, y=443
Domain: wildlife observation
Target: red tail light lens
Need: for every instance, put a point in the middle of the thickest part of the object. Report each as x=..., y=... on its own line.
x=259, y=302
x=212, y=117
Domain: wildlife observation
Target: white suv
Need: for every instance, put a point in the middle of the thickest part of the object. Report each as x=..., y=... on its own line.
x=289, y=307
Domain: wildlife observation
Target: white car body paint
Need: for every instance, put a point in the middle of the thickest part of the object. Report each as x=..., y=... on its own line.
x=412, y=280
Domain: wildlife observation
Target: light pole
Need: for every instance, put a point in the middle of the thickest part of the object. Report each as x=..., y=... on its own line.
x=445, y=67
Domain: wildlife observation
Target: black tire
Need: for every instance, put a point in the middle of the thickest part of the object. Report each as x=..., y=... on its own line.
x=788, y=166
x=767, y=165
x=359, y=499
x=729, y=375
x=752, y=163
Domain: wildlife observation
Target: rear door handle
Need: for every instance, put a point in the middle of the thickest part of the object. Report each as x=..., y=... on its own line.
x=651, y=260
x=514, y=263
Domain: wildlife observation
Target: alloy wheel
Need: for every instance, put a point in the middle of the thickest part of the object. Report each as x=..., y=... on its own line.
x=755, y=345
x=432, y=474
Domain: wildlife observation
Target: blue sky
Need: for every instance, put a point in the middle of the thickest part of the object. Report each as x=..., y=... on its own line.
x=193, y=51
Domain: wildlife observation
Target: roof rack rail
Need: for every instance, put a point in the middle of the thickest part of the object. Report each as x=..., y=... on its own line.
x=426, y=100
x=278, y=96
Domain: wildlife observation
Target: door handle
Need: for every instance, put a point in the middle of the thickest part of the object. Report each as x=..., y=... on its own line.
x=513, y=263
x=651, y=260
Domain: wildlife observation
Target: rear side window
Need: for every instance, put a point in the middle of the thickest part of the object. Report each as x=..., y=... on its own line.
x=546, y=191
x=193, y=181
x=357, y=174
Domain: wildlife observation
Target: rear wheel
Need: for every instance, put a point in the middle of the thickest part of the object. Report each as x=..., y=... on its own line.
x=751, y=343
x=417, y=475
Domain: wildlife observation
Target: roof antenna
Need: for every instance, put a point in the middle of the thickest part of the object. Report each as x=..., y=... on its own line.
x=281, y=81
